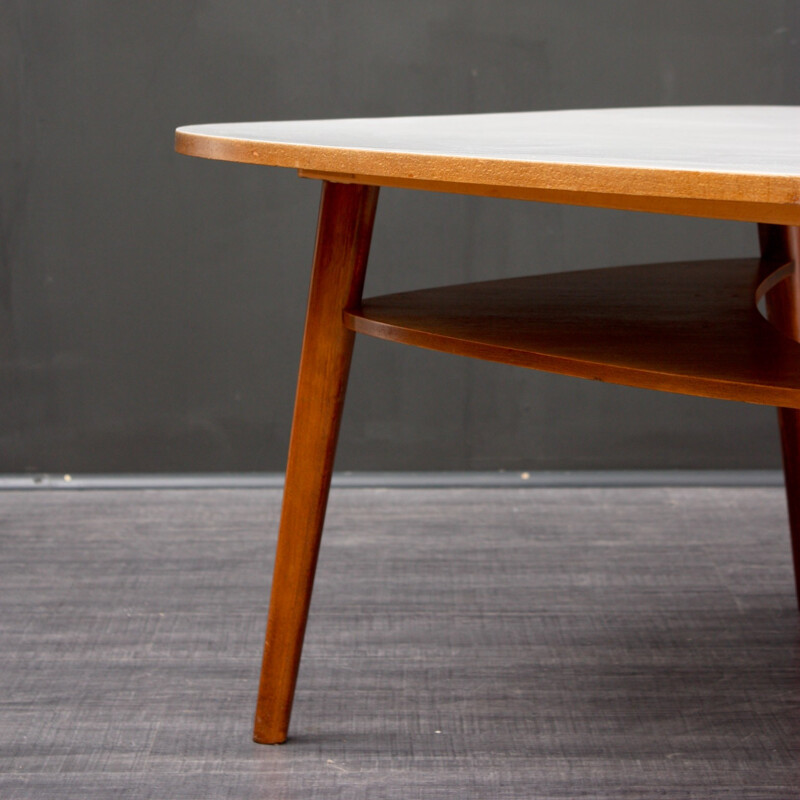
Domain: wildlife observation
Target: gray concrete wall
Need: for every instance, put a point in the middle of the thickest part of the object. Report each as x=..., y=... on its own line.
x=151, y=304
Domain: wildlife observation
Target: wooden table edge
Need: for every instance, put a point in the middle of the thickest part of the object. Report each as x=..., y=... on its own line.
x=749, y=197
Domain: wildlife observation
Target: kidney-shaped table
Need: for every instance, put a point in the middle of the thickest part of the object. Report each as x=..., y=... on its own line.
x=726, y=329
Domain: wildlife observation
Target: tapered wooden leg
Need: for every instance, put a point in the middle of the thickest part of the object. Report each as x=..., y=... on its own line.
x=343, y=237
x=781, y=245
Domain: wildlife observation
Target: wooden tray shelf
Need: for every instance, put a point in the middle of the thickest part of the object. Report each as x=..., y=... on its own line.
x=691, y=328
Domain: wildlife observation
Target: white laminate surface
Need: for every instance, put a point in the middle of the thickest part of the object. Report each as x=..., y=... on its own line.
x=731, y=162
x=732, y=139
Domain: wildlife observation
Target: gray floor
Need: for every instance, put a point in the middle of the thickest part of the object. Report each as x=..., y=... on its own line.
x=496, y=643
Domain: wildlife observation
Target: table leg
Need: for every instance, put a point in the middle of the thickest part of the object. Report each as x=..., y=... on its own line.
x=781, y=244
x=340, y=258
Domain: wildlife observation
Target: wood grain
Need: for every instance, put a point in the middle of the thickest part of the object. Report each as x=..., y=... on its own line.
x=340, y=258
x=690, y=327
x=697, y=155
x=743, y=211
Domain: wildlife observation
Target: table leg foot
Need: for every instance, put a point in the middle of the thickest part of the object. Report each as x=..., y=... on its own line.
x=343, y=237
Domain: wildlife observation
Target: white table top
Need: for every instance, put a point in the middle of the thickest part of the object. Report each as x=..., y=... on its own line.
x=734, y=154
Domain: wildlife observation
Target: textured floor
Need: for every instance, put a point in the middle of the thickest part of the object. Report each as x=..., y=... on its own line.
x=464, y=643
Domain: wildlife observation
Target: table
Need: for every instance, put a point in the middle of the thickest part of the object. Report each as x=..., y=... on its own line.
x=726, y=329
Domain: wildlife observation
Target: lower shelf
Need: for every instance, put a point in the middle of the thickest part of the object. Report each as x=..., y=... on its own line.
x=691, y=328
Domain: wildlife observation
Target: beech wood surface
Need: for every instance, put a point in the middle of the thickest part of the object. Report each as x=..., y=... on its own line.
x=693, y=158
x=690, y=327
x=781, y=245
x=742, y=211
x=343, y=238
